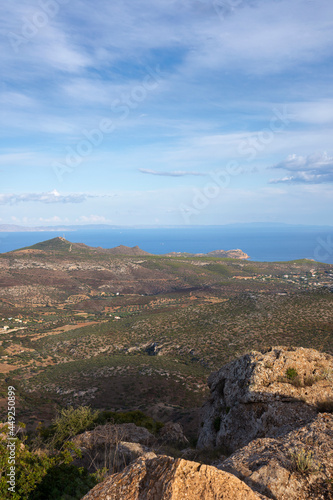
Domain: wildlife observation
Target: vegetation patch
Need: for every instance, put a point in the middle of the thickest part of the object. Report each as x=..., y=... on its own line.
x=291, y=373
x=136, y=417
x=69, y=422
x=42, y=473
x=303, y=461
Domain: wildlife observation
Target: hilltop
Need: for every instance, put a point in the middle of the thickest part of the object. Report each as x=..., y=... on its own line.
x=61, y=244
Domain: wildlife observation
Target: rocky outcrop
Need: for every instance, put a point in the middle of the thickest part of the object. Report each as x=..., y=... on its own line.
x=166, y=478
x=269, y=408
x=115, y=433
x=172, y=433
x=124, y=250
x=265, y=394
x=231, y=254
x=114, y=446
x=296, y=466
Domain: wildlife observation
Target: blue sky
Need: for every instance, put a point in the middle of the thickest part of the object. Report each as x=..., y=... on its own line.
x=166, y=112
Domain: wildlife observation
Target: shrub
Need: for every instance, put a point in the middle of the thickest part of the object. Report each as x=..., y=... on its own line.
x=303, y=461
x=293, y=377
x=41, y=475
x=65, y=481
x=70, y=422
x=291, y=373
x=136, y=417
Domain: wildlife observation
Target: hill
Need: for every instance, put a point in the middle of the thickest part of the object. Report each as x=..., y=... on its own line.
x=58, y=271
x=223, y=254
x=61, y=244
x=124, y=250
x=231, y=254
x=84, y=325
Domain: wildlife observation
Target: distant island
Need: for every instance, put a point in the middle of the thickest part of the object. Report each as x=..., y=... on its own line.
x=13, y=228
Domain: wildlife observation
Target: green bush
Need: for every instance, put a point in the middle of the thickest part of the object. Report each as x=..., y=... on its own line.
x=293, y=377
x=64, y=482
x=42, y=476
x=70, y=422
x=291, y=373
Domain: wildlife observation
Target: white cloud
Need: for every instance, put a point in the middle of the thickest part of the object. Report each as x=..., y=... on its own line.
x=175, y=173
x=217, y=64
x=266, y=37
x=17, y=100
x=315, y=169
x=51, y=197
x=55, y=218
x=314, y=112
x=94, y=219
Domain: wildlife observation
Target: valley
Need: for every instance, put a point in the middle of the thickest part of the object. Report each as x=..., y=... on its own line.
x=121, y=329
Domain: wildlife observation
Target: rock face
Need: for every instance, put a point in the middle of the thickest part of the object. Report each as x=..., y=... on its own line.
x=173, y=433
x=269, y=408
x=116, y=432
x=231, y=254
x=124, y=250
x=265, y=394
x=166, y=478
x=114, y=446
x=269, y=465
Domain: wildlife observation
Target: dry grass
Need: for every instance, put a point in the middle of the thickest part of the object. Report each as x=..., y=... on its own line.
x=303, y=461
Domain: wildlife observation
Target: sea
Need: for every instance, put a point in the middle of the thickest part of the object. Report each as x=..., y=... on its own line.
x=276, y=243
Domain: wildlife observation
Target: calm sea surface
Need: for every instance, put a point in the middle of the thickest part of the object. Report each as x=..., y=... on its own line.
x=262, y=244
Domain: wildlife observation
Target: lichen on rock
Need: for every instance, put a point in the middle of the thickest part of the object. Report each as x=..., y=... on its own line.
x=252, y=397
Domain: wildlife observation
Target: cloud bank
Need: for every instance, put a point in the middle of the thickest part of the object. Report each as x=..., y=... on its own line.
x=51, y=197
x=312, y=169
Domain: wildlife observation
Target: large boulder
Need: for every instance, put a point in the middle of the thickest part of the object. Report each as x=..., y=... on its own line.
x=166, y=478
x=296, y=466
x=113, y=446
x=265, y=394
x=115, y=433
x=125, y=453
x=172, y=433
